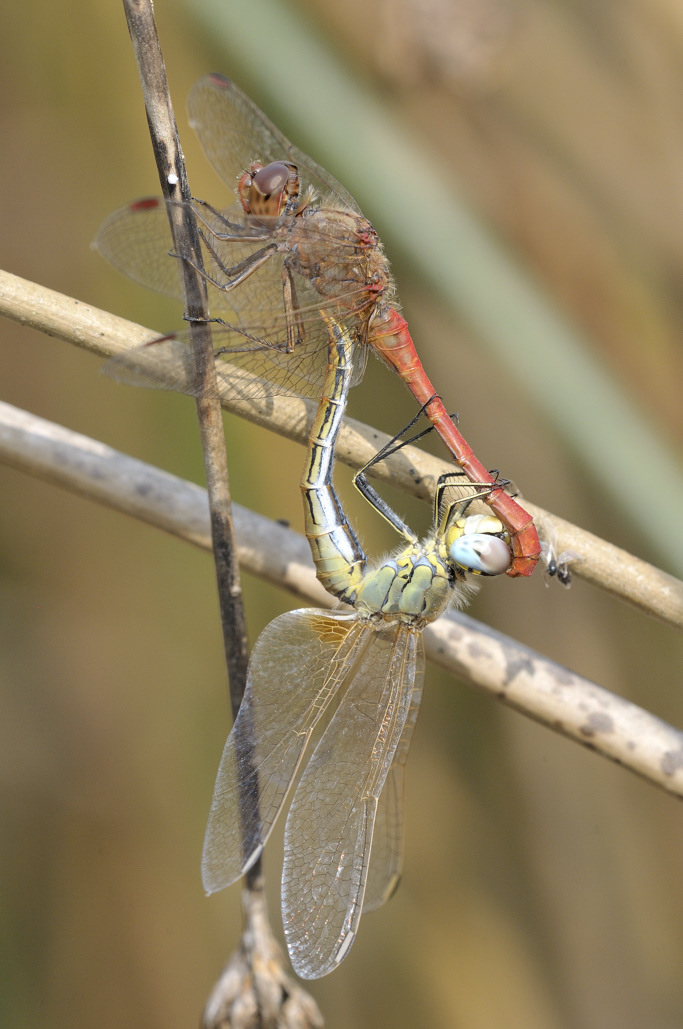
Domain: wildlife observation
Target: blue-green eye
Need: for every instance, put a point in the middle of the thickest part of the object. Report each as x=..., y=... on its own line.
x=480, y=552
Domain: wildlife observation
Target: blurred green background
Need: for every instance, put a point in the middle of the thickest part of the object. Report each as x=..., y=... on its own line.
x=542, y=886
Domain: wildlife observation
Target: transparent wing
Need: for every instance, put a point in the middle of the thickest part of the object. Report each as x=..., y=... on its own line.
x=242, y=374
x=297, y=665
x=234, y=132
x=252, y=329
x=386, y=862
x=329, y=831
x=137, y=241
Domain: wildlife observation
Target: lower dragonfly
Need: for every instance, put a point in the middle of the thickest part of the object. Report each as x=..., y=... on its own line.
x=343, y=836
x=296, y=245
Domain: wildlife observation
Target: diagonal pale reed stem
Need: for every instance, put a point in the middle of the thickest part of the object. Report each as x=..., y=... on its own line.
x=494, y=663
x=604, y=565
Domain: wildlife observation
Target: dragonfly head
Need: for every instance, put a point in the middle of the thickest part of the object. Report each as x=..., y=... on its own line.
x=478, y=544
x=269, y=190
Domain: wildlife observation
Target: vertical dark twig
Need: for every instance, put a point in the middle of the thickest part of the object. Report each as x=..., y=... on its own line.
x=176, y=191
x=254, y=989
x=174, y=185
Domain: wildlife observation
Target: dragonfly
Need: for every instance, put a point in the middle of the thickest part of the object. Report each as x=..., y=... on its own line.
x=344, y=829
x=294, y=245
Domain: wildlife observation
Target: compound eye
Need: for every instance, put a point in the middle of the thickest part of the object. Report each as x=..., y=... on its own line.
x=479, y=552
x=271, y=179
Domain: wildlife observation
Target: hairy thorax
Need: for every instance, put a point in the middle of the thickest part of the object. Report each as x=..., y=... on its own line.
x=415, y=587
x=339, y=253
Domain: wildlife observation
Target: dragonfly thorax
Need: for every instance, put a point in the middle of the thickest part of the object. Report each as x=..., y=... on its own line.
x=340, y=254
x=415, y=586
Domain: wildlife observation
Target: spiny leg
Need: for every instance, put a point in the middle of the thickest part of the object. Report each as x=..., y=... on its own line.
x=368, y=491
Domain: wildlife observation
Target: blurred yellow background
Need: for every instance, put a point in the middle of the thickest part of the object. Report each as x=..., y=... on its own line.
x=542, y=886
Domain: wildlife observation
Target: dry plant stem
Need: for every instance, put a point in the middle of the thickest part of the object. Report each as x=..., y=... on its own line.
x=253, y=989
x=616, y=571
x=518, y=676
x=175, y=187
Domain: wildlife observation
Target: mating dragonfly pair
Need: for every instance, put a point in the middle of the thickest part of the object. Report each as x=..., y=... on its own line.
x=298, y=288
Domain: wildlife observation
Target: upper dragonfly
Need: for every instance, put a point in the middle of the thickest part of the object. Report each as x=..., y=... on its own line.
x=295, y=245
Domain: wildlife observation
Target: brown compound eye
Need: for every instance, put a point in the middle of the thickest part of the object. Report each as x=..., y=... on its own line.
x=271, y=179
x=273, y=189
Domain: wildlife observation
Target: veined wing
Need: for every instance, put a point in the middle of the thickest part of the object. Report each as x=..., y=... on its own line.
x=137, y=241
x=328, y=837
x=234, y=132
x=252, y=333
x=244, y=373
x=386, y=861
x=297, y=665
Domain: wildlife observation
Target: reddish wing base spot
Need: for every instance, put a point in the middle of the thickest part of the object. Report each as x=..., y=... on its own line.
x=146, y=204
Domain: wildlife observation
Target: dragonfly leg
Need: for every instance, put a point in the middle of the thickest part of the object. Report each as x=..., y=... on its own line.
x=259, y=343
x=445, y=514
x=237, y=274
x=396, y=443
x=370, y=493
x=390, y=337
x=482, y=489
x=382, y=507
x=234, y=232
